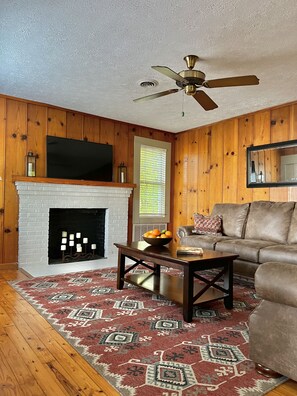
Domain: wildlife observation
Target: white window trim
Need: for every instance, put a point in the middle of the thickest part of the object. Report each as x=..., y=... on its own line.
x=138, y=141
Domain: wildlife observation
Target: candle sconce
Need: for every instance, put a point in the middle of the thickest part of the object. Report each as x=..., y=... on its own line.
x=122, y=173
x=31, y=164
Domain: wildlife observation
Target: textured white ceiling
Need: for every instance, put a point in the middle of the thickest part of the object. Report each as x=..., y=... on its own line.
x=89, y=55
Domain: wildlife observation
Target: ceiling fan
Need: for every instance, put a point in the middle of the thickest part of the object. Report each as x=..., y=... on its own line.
x=191, y=80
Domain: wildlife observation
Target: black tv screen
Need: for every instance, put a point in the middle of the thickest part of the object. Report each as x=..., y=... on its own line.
x=78, y=159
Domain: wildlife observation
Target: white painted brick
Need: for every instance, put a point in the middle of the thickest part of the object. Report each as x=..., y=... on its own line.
x=35, y=201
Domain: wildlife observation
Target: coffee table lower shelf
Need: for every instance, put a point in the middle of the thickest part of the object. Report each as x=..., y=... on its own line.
x=171, y=287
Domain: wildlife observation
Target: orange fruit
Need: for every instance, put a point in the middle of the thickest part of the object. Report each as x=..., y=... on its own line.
x=156, y=232
x=168, y=234
x=163, y=236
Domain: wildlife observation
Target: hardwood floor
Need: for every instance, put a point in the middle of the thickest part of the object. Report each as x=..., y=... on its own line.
x=35, y=360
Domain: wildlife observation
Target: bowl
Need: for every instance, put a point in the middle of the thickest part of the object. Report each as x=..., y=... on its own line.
x=157, y=241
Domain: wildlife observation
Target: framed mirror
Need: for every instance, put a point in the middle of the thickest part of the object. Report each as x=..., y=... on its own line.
x=272, y=165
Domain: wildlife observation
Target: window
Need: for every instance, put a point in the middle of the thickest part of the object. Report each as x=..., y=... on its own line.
x=152, y=160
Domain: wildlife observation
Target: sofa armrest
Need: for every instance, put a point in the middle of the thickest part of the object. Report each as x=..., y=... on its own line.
x=277, y=282
x=183, y=231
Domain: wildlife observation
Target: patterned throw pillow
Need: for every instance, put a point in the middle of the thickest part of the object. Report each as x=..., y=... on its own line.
x=207, y=225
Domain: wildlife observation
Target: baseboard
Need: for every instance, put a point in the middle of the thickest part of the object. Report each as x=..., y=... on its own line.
x=12, y=266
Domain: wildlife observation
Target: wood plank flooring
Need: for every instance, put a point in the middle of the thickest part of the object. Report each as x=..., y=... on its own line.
x=35, y=360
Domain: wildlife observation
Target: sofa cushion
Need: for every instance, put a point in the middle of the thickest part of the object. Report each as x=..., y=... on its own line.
x=284, y=253
x=269, y=221
x=203, y=241
x=233, y=218
x=292, y=237
x=207, y=225
x=247, y=249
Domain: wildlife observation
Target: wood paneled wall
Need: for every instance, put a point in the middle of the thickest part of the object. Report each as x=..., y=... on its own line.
x=24, y=126
x=210, y=162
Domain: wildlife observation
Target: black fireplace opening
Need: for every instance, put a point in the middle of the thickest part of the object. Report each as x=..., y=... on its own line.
x=76, y=235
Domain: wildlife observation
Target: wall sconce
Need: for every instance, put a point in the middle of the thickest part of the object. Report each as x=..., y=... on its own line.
x=122, y=173
x=31, y=164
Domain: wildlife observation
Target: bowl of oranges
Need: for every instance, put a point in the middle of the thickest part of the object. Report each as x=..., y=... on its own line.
x=156, y=237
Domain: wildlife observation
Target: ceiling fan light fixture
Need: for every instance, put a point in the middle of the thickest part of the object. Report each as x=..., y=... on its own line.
x=190, y=89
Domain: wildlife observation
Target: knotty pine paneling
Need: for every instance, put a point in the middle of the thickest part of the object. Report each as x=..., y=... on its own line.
x=225, y=152
x=2, y=170
x=91, y=129
x=74, y=125
x=15, y=152
x=56, y=122
x=208, y=163
x=216, y=165
x=245, y=139
x=24, y=126
x=279, y=131
x=203, y=140
x=193, y=169
x=230, y=160
x=37, y=124
x=261, y=135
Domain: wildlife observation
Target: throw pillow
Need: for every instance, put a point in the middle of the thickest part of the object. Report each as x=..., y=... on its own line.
x=207, y=225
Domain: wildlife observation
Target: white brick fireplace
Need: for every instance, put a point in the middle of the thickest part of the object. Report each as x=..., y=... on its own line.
x=36, y=200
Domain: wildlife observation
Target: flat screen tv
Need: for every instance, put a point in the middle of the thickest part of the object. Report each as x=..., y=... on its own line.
x=78, y=159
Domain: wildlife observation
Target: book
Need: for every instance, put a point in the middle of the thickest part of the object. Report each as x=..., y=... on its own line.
x=189, y=250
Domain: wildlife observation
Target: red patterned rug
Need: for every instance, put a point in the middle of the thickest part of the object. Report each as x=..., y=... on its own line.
x=139, y=341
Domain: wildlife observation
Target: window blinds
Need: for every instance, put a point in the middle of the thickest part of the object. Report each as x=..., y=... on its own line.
x=152, y=181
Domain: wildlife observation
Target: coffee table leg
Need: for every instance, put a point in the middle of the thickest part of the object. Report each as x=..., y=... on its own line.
x=121, y=270
x=188, y=295
x=228, y=285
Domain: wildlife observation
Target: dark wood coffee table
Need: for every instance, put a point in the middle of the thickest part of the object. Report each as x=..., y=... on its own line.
x=189, y=290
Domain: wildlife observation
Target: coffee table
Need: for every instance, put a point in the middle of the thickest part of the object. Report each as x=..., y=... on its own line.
x=188, y=290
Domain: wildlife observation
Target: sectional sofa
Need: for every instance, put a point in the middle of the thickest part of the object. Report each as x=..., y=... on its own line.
x=258, y=232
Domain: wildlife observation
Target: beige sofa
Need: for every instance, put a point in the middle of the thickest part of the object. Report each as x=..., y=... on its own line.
x=272, y=325
x=258, y=232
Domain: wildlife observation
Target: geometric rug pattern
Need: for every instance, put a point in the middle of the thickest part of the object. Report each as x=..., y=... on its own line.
x=140, y=343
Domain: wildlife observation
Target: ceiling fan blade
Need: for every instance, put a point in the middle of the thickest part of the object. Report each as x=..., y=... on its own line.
x=156, y=95
x=170, y=73
x=231, y=82
x=205, y=101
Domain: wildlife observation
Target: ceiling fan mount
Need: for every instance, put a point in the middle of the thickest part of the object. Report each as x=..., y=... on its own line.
x=192, y=80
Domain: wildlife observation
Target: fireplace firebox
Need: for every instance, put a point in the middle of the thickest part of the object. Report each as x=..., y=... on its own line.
x=76, y=235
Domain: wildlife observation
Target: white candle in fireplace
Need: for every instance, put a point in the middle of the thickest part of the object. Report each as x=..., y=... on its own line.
x=93, y=246
x=63, y=247
x=71, y=237
x=71, y=243
x=78, y=235
x=85, y=240
x=64, y=240
x=79, y=249
x=64, y=234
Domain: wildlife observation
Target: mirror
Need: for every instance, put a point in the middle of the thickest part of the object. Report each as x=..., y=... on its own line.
x=272, y=165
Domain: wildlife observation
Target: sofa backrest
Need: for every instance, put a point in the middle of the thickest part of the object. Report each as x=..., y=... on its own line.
x=292, y=236
x=269, y=221
x=233, y=217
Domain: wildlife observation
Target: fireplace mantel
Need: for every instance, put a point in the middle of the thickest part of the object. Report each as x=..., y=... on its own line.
x=70, y=181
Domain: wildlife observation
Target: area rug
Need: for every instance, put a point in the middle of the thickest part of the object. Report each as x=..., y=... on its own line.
x=140, y=343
